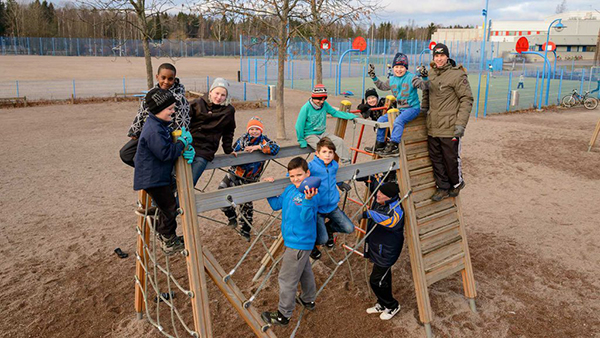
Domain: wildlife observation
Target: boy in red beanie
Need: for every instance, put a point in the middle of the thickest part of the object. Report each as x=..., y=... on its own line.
x=252, y=140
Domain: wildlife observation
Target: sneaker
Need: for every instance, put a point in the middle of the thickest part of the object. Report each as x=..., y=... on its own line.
x=171, y=244
x=330, y=242
x=308, y=305
x=439, y=195
x=387, y=314
x=454, y=191
x=245, y=234
x=233, y=223
x=390, y=149
x=379, y=146
x=275, y=318
x=376, y=309
x=315, y=254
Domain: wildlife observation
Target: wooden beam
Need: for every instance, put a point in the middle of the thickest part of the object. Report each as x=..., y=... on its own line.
x=594, y=136
x=143, y=237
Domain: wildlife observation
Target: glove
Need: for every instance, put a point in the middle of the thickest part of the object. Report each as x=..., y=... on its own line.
x=364, y=215
x=418, y=82
x=422, y=71
x=459, y=131
x=364, y=110
x=371, y=71
x=185, y=138
x=345, y=187
x=189, y=154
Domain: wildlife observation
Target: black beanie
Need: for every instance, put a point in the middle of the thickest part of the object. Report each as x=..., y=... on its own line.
x=158, y=100
x=440, y=48
x=390, y=189
x=371, y=92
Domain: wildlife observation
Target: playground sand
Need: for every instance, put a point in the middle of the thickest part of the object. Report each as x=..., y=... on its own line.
x=530, y=206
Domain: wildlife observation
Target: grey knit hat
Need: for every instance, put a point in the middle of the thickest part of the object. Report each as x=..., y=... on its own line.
x=221, y=82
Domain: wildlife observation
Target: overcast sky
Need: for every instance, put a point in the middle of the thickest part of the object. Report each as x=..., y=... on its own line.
x=465, y=12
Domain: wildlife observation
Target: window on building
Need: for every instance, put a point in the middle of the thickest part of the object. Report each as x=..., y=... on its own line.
x=583, y=48
x=528, y=32
x=568, y=48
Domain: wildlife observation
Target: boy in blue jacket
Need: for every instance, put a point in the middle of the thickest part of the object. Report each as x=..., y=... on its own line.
x=383, y=245
x=403, y=85
x=154, y=160
x=325, y=167
x=252, y=140
x=298, y=228
x=311, y=123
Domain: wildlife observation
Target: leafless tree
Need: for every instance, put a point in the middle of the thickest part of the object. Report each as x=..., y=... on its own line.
x=277, y=17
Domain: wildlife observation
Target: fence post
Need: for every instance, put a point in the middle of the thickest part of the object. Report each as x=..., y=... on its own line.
x=2, y=44
x=53, y=48
x=560, y=86
x=255, y=70
x=509, y=88
x=17, y=88
x=124, y=87
x=292, y=73
x=537, y=79
x=582, y=77
x=244, y=91
x=74, y=93
x=487, y=90
x=78, y=51
x=268, y=96
x=28, y=47
x=207, y=84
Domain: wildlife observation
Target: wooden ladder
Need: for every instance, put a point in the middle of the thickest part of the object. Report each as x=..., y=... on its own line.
x=435, y=231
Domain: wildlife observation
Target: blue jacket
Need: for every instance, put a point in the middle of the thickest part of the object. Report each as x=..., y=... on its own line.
x=329, y=196
x=401, y=88
x=384, y=244
x=299, y=218
x=156, y=155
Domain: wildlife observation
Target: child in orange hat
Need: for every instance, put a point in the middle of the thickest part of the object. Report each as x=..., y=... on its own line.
x=252, y=140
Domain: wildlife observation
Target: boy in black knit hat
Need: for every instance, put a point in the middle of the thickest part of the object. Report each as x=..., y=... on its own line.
x=154, y=160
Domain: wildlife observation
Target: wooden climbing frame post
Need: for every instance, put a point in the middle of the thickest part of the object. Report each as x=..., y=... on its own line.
x=594, y=136
x=193, y=246
x=143, y=231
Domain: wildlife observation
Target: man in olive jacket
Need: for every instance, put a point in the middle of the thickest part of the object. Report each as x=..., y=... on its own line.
x=448, y=101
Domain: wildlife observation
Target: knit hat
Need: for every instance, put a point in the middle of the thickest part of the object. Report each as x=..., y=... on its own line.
x=371, y=92
x=390, y=189
x=319, y=91
x=158, y=100
x=255, y=122
x=220, y=82
x=400, y=60
x=440, y=48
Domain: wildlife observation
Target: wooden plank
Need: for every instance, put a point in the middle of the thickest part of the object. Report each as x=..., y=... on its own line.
x=429, y=207
x=416, y=147
x=467, y=273
x=235, y=296
x=594, y=136
x=419, y=163
x=423, y=192
x=193, y=245
x=440, y=237
x=256, y=191
x=416, y=136
x=225, y=161
x=421, y=176
x=439, y=257
x=445, y=271
x=275, y=249
x=417, y=155
x=142, y=238
x=437, y=220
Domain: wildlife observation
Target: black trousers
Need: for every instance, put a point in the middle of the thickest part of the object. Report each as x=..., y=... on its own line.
x=167, y=209
x=127, y=153
x=381, y=284
x=445, y=158
x=246, y=209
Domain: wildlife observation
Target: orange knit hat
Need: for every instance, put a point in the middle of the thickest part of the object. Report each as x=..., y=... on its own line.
x=255, y=122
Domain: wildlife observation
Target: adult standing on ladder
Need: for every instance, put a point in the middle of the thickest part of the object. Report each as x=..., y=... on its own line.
x=448, y=102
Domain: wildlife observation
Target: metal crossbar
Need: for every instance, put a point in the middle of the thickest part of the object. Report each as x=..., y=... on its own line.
x=224, y=160
x=371, y=123
x=257, y=191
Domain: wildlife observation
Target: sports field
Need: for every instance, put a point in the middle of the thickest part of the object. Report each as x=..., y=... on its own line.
x=530, y=208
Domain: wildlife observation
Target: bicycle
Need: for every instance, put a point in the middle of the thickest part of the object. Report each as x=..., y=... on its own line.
x=575, y=99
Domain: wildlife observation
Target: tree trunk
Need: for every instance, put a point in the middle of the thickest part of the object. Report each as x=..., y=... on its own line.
x=597, y=52
x=318, y=61
x=281, y=56
x=148, y=59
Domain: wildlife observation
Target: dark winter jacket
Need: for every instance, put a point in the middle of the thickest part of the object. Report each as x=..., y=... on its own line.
x=252, y=171
x=156, y=155
x=448, y=100
x=366, y=112
x=384, y=244
x=211, y=123
x=180, y=119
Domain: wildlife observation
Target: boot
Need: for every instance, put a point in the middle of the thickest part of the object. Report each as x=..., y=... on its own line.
x=171, y=243
x=439, y=195
x=454, y=191
x=379, y=146
x=390, y=150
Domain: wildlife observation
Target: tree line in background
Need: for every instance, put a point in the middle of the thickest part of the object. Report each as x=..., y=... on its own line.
x=44, y=19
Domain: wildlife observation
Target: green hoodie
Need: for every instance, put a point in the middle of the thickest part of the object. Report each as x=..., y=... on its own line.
x=312, y=121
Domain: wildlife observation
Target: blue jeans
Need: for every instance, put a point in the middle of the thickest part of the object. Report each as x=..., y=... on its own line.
x=406, y=115
x=339, y=223
x=198, y=167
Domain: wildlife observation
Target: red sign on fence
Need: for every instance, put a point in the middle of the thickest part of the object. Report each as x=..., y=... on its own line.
x=359, y=43
x=522, y=45
x=325, y=45
x=551, y=46
x=431, y=45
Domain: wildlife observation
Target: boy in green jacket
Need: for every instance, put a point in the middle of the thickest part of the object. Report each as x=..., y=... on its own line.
x=311, y=123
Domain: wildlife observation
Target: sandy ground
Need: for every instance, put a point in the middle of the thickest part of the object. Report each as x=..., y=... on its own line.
x=531, y=210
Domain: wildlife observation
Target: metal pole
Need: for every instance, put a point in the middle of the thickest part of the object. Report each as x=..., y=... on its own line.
x=74, y=93
x=509, y=88
x=17, y=88
x=545, y=59
x=482, y=57
x=537, y=79
x=241, y=60
x=560, y=86
x=268, y=96
x=487, y=90
x=244, y=91
x=582, y=77
x=363, y=81
x=124, y=87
